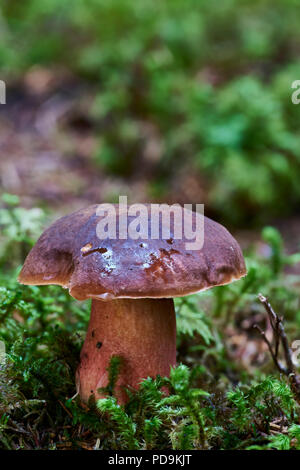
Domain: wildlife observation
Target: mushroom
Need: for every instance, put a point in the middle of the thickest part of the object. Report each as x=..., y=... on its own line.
x=132, y=284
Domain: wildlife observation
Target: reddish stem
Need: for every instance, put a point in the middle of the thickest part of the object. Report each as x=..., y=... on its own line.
x=141, y=331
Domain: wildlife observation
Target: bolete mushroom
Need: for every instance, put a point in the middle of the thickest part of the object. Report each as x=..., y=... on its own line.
x=131, y=284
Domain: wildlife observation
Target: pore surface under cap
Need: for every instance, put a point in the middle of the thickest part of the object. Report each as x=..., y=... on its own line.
x=70, y=254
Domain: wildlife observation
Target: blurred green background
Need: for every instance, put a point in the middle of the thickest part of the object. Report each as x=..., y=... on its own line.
x=178, y=101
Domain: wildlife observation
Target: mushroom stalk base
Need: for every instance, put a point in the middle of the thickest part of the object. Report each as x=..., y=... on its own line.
x=141, y=331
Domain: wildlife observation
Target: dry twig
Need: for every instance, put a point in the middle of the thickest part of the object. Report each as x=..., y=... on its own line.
x=280, y=338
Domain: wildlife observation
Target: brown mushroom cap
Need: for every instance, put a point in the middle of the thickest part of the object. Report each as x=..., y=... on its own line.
x=70, y=254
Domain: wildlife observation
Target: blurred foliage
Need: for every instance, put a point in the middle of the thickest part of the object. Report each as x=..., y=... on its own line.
x=180, y=84
x=18, y=229
x=215, y=401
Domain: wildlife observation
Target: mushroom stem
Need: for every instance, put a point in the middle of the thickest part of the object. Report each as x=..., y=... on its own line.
x=141, y=331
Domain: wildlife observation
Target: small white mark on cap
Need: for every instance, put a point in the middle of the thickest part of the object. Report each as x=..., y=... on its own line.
x=49, y=277
x=143, y=245
x=86, y=248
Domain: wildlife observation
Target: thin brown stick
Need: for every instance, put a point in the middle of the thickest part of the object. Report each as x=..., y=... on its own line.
x=279, y=366
x=280, y=338
x=280, y=335
x=66, y=409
